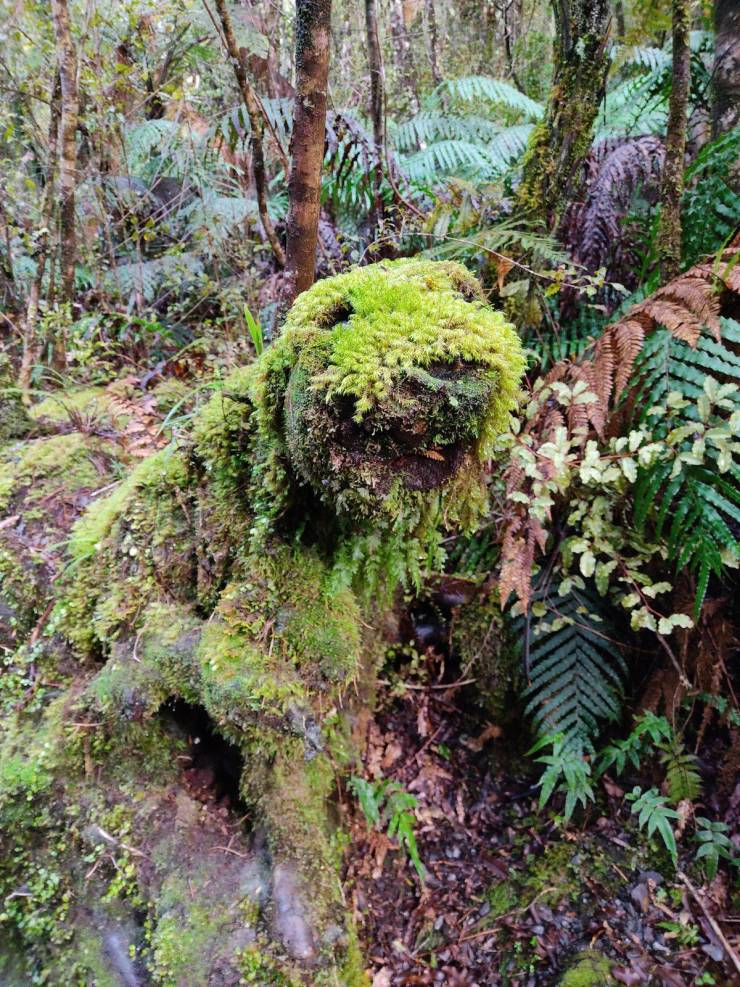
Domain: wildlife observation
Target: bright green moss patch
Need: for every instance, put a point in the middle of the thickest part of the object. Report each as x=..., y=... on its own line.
x=590, y=969
x=372, y=326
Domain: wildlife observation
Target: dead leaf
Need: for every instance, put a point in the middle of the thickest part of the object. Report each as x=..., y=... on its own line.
x=491, y=732
x=503, y=266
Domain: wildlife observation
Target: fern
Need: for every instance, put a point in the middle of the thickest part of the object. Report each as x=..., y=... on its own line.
x=429, y=126
x=711, y=206
x=714, y=844
x=654, y=815
x=682, y=774
x=692, y=500
x=474, y=88
x=575, y=671
x=148, y=277
x=566, y=770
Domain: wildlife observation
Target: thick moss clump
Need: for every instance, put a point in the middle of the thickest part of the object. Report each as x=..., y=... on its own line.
x=386, y=377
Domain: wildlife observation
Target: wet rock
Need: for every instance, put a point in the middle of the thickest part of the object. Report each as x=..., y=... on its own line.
x=290, y=921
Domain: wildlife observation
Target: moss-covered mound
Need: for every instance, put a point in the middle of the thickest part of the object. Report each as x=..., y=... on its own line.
x=245, y=572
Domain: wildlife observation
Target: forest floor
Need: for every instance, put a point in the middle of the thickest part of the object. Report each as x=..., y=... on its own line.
x=512, y=897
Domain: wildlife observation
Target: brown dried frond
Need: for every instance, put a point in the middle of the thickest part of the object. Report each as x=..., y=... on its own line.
x=628, y=336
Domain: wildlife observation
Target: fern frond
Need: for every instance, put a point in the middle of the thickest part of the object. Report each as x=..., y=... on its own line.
x=575, y=671
x=434, y=125
x=682, y=777
x=473, y=88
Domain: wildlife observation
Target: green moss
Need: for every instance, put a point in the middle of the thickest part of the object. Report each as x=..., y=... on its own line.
x=91, y=402
x=41, y=466
x=502, y=898
x=181, y=944
x=590, y=969
x=14, y=420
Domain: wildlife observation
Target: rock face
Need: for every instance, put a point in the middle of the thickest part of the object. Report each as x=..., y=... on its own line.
x=209, y=636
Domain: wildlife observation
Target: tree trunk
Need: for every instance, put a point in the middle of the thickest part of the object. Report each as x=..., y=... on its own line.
x=404, y=55
x=256, y=124
x=671, y=186
x=432, y=41
x=562, y=140
x=67, y=59
x=726, y=71
x=375, y=60
x=313, y=32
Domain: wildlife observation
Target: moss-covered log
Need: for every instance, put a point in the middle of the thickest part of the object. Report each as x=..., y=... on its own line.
x=240, y=574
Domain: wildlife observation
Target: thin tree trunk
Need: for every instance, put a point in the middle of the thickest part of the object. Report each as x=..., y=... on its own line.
x=313, y=33
x=404, y=55
x=67, y=60
x=375, y=60
x=433, y=41
x=619, y=19
x=671, y=186
x=256, y=123
x=562, y=140
x=726, y=70
x=30, y=343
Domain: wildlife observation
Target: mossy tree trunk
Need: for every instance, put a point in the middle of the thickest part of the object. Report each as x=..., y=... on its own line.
x=313, y=34
x=67, y=59
x=256, y=125
x=671, y=186
x=432, y=41
x=562, y=140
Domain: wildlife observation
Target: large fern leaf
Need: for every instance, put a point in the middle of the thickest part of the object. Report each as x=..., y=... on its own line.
x=474, y=88
x=575, y=669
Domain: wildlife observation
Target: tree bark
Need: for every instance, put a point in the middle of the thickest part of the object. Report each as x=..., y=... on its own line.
x=313, y=31
x=671, y=186
x=432, y=41
x=562, y=140
x=375, y=60
x=67, y=60
x=726, y=70
x=404, y=55
x=256, y=123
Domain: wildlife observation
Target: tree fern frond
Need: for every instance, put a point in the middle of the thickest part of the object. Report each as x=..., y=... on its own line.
x=428, y=126
x=473, y=88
